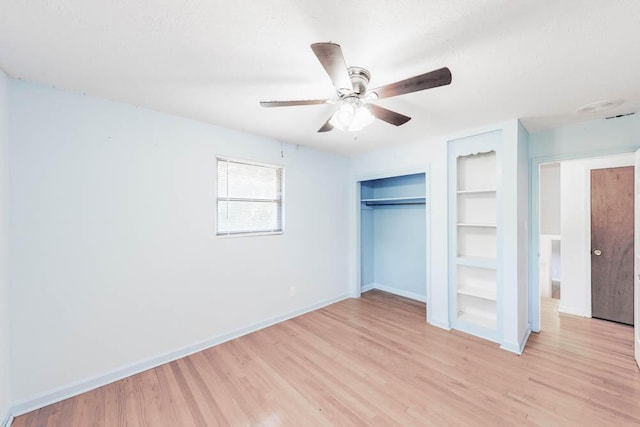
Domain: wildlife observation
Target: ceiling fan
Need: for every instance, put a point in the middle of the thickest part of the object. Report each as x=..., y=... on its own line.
x=355, y=111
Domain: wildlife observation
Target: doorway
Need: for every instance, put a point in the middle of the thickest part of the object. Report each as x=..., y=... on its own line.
x=379, y=197
x=576, y=263
x=550, y=239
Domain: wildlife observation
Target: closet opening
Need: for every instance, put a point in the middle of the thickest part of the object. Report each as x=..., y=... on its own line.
x=393, y=235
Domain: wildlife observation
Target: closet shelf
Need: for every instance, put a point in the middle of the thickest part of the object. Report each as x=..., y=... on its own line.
x=473, y=224
x=478, y=292
x=485, y=190
x=486, y=320
x=489, y=263
x=418, y=200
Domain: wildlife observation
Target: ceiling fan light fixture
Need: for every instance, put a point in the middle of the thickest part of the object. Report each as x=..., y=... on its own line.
x=363, y=118
x=352, y=115
x=354, y=111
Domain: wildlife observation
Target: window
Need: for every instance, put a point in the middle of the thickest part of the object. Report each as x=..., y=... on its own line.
x=249, y=197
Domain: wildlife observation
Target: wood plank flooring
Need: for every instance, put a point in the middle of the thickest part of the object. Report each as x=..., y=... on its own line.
x=375, y=361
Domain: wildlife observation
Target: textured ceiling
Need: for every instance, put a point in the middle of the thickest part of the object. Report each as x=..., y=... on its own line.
x=214, y=61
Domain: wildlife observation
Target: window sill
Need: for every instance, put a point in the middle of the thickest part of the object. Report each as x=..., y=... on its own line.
x=257, y=233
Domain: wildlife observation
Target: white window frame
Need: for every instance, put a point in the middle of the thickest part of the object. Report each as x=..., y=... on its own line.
x=282, y=199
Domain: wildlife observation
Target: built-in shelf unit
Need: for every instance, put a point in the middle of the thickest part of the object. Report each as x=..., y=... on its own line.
x=393, y=235
x=474, y=233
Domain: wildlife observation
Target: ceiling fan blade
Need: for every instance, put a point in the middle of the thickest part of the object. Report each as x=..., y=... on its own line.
x=269, y=104
x=331, y=58
x=440, y=77
x=389, y=116
x=326, y=127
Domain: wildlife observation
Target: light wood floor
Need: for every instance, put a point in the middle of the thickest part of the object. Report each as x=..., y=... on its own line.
x=375, y=361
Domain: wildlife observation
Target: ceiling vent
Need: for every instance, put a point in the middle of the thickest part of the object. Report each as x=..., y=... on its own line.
x=596, y=107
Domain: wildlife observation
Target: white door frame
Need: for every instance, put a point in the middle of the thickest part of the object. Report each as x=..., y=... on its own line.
x=636, y=256
x=534, y=226
x=426, y=170
x=583, y=308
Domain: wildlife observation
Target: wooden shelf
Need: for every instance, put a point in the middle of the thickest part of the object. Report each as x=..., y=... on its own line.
x=486, y=190
x=485, y=320
x=477, y=262
x=414, y=200
x=469, y=224
x=479, y=292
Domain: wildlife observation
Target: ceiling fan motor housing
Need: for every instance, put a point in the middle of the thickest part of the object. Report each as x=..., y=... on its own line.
x=359, y=79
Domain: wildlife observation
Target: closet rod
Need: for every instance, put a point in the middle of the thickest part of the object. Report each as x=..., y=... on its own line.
x=413, y=202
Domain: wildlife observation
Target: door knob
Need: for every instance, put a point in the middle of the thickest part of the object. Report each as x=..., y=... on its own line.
x=597, y=252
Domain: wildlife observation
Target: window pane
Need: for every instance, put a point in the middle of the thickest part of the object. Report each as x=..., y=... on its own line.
x=252, y=181
x=246, y=217
x=223, y=167
x=249, y=197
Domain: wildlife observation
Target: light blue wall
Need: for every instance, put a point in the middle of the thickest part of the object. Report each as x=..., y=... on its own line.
x=112, y=216
x=400, y=251
x=401, y=186
x=588, y=139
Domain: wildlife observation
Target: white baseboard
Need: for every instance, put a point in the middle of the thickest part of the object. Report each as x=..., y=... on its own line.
x=576, y=311
x=7, y=421
x=442, y=324
x=395, y=291
x=368, y=287
x=517, y=348
x=76, y=388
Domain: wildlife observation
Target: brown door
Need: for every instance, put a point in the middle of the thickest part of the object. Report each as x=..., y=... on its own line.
x=612, y=244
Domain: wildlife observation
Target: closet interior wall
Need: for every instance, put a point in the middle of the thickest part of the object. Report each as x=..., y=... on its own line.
x=393, y=235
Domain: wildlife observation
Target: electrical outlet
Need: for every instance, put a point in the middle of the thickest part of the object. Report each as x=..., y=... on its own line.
x=292, y=291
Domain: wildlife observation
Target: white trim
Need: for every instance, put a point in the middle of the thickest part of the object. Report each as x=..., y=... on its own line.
x=8, y=421
x=427, y=214
x=281, y=200
x=636, y=257
x=395, y=291
x=517, y=348
x=356, y=285
x=82, y=386
x=574, y=311
x=249, y=234
x=442, y=324
x=250, y=162
x=367, y=288
x=586, y=255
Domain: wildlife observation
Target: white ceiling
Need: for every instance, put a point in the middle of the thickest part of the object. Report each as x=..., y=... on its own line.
x=214, y=61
